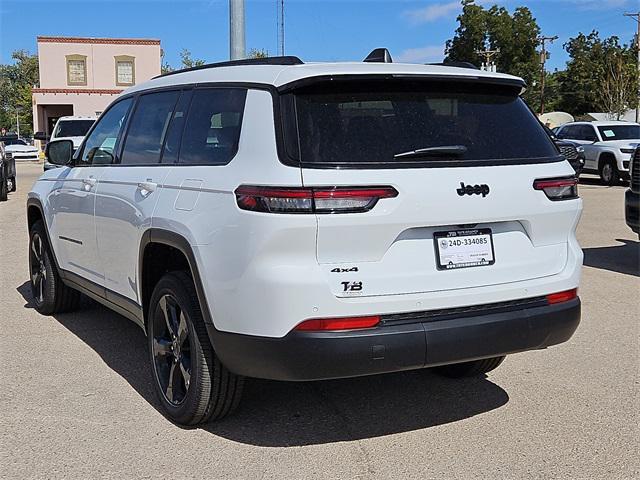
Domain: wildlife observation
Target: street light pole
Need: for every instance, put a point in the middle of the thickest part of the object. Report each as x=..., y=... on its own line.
x=236, y=30
x=18, y=121
x=636, y=17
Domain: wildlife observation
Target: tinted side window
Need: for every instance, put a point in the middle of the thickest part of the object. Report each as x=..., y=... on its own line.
x=212, y=129
x=174, y=134
x=148, y=128
x=100, y=145
x=588, y=133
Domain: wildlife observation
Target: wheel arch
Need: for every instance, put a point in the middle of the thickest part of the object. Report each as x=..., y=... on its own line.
x=605, y=156
x=176, y=253
x=35, y=212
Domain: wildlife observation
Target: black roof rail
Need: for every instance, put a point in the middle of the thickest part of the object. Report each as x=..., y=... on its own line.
x=379, y=55
x=286, y=60
x=454, y=63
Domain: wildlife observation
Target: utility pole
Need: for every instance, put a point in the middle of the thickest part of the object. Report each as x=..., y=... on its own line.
x=280, y=9
x=18, y=121
x=636, y=17
x=488, y=55
x=236, y=30
x=543, y=59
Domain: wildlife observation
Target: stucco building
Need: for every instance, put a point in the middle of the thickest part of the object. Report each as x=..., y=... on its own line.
x=81, y=76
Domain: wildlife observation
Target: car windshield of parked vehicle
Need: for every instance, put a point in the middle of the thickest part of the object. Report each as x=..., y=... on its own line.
x=619, y=132
x=73, y=128
x=387, y=123
x=15, y=142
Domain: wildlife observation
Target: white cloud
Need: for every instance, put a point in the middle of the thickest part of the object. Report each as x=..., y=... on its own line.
x=435, y=11
x=428, y=54
x=432, y=12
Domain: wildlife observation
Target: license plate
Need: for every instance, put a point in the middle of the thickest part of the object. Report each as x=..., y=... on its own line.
x=464, y=248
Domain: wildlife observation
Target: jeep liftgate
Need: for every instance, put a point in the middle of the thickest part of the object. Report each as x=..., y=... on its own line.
x=461, y=158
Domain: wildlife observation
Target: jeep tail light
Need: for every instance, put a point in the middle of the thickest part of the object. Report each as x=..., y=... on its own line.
x=562, y=296
x=345, y=323
x=311, y=200
x=558, y=188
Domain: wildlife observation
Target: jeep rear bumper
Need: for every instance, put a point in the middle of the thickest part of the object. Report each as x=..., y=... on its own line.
x=393, y=347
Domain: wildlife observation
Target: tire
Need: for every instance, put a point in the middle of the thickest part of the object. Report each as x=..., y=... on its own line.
x=191, y=383
x=50, y=295
x=4, y=190
x=13, y=184
x=609, y=174
x=469, y=369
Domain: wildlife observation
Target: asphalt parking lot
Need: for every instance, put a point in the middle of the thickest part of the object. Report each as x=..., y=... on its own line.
x=77, y=401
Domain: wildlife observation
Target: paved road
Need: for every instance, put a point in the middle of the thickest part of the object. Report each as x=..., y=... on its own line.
x=77, y=402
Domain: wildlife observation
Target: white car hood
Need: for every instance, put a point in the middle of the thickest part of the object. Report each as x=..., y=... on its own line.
x=20, y=148
x=621, y=143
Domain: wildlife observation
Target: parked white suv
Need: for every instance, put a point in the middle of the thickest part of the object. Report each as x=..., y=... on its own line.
x=274, y=219
x=608, y=146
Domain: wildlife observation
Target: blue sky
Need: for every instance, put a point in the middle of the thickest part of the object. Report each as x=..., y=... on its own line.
x=316, y=30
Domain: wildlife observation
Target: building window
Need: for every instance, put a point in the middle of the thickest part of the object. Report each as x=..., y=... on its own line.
x=76, y=70
x=125, y=70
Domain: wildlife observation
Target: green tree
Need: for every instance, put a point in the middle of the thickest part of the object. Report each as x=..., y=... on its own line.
x=187, y=61
x=514, y=35
x=16, y=81
x=597, y=66
x=258, y=53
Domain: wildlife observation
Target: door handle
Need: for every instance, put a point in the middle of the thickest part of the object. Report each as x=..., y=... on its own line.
x=147, y=187
x=89, y=183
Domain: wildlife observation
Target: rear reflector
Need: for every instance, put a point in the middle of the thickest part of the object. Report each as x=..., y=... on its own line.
x=558, y=188
x=311, y=200
x=345, y=323
x=562, y=296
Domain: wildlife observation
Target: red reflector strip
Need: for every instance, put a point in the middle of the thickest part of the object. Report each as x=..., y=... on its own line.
x=555, y=183
x=383, y=192
x=562, y=296
x=345, y=323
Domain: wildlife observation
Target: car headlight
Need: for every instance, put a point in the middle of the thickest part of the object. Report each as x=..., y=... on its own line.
x=580, y=149
x=627, y=150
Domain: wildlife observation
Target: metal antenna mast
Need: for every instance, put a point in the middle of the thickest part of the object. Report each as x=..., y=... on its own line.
x=280, y=12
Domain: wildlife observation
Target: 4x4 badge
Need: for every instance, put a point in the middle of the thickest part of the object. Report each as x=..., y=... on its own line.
x=473, y=189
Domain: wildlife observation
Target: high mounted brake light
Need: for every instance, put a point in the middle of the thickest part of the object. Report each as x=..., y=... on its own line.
x=311, y=200
x=558, y=188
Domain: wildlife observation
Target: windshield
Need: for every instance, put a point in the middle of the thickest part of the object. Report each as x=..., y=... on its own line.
x=72, y=128
x=619, y=132
x=376, y=122
x=14, y=142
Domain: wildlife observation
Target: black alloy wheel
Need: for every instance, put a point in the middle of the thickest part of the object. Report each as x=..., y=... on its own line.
x=171, y=349
x=38, y=269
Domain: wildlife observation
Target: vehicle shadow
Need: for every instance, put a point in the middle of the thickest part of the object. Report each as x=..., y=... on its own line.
x=623, y=258
x=277, y=414
x=594, y=180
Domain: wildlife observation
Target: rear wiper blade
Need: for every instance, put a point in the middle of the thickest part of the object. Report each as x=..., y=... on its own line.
x=444, y=150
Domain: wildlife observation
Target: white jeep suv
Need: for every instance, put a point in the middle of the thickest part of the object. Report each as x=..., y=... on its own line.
x=273, y=219
x=608, y=146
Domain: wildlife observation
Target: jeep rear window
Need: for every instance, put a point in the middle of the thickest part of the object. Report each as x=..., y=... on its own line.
x=373, y=123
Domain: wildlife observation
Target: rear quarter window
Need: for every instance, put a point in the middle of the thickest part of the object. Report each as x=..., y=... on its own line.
x=370, y=124
x=212, y=128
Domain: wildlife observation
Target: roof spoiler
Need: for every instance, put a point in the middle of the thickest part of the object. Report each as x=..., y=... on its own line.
x=453, y=63
x=286, y=60
x=379, y=55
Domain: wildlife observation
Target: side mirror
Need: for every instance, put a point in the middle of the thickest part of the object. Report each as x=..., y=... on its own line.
x=59, y=152
x=40, y=136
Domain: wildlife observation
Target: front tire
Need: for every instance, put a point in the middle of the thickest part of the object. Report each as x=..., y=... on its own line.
x=50, y=295
x=191, y=383
x=4, y=188
x=11, y=186
x=609, y=174
x=469, y=369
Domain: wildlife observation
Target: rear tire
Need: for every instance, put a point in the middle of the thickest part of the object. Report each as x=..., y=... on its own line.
x=4, y=189
x=191, y=383
x=469, y=369
x=50, y=294
x=12, y=181
x=609, y=174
